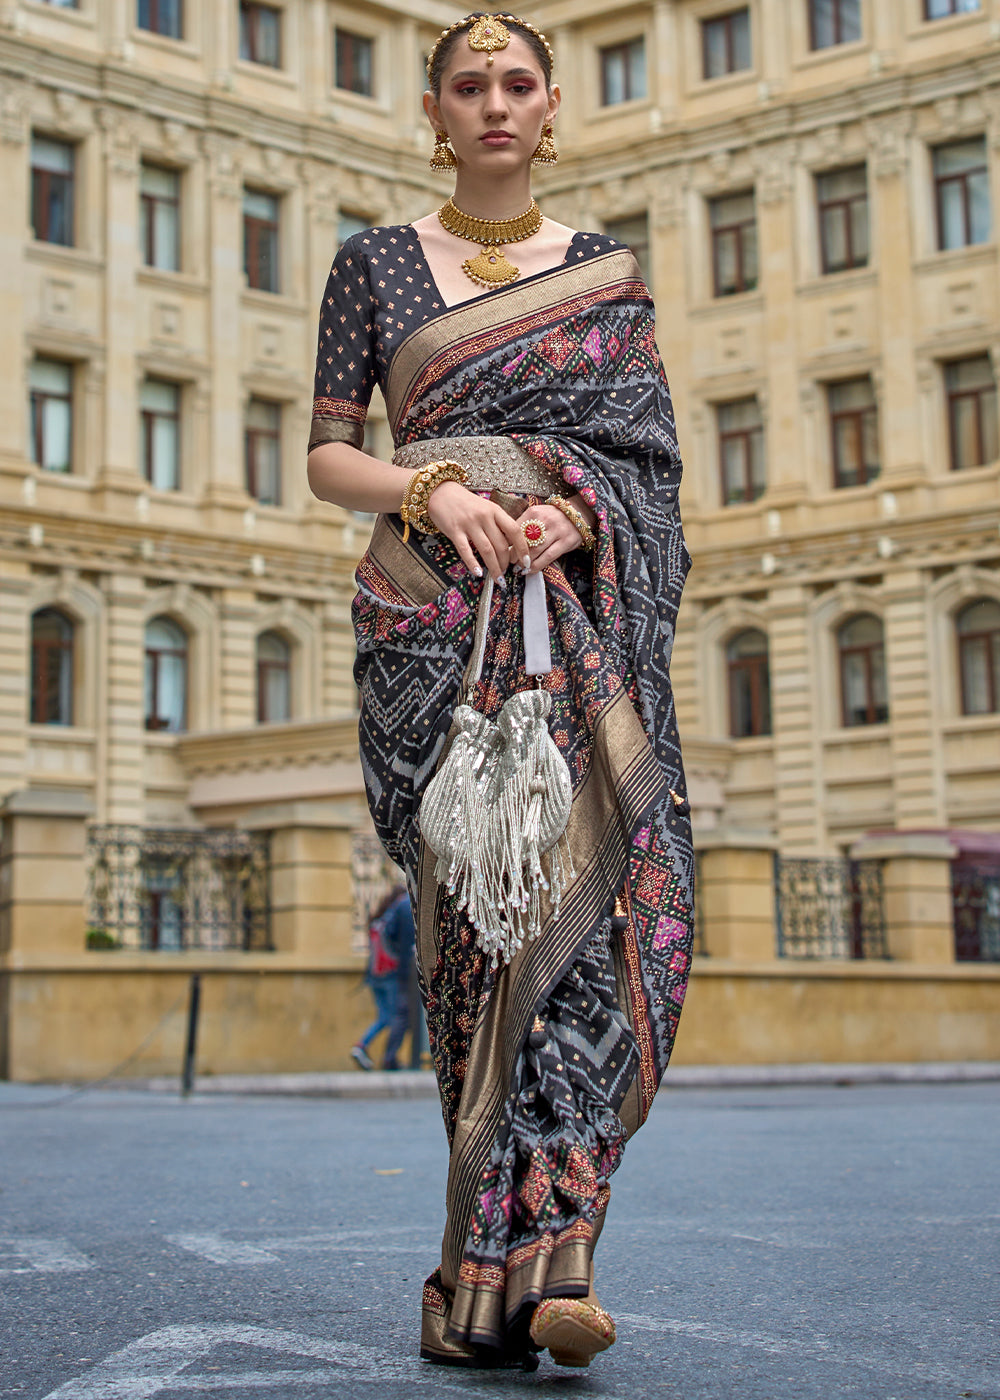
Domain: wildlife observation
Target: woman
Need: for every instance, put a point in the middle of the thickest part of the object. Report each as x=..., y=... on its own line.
x=523, y=352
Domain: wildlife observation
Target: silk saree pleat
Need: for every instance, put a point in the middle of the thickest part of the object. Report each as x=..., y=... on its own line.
x=547, y=1065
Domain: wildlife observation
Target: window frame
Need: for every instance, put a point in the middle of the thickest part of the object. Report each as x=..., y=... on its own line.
x=252, y=437
x=952, y=12
x=846, y=208
x=860, y=417
x=151, y=720
x=867, y=652
x=991, y=638
x=148, y=205
x=963, y=177
x=747, y=437
x=725, y=19
x=952, y=397
x=251, y=12
x=147, y=430
x=736, y=230
x=255, y=228
x=264, y=668
x=153, y=27
x=42, y=180
x=757, y=668
x=353, y=37
x=37, y=399
x=624, y=48
x=41, y=650
x=838, y=23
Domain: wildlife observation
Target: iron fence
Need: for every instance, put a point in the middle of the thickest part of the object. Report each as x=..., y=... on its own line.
x=975, y=902
x=829, y=908
x=173, y=888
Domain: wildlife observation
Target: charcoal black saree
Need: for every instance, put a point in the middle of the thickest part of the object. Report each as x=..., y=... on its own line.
x=547, y=1065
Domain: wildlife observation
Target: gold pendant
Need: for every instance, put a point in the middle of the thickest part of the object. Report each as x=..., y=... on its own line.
x=491, y=268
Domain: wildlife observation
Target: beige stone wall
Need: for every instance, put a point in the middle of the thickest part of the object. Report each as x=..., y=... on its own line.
x=913, y=546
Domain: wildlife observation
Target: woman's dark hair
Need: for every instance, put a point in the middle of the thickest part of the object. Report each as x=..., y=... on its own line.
x=445, y=47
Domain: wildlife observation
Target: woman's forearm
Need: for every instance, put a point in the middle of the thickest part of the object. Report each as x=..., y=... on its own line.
x=341, y=474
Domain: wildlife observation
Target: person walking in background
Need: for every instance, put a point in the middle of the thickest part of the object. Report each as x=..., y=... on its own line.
x=400, y=935
x=382, y=973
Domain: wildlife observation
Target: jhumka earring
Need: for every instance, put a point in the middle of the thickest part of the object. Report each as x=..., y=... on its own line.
x=443, y=157
x=545, y=151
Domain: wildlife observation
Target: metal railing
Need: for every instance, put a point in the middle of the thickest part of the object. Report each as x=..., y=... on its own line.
x=829, y=908
x=171, y=888
x=975, y=903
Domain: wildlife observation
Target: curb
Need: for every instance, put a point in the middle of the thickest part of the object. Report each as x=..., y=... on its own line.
x=421, y=1084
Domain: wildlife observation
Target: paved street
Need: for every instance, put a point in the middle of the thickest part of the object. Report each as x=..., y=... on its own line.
x=810, y=1242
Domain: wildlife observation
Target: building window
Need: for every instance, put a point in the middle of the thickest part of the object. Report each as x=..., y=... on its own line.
x=940, y=9
x=159, y=426
x=634, y=233
x=53, y=165
x=51, y=668
x=961, y=185
x=274, y=679
x=853, y=432
x=834, y=22
x=972, y=412
x=733, y=222
x=725, y=44
x=353, y=62
x=749, y=685
x=166, y=676
x=50, y=414
x=862, y=671
x=159, y=217
x=350, y=224
x=263, y=451
x=260, y=34
x=260, y=240
x=62, y=4
x=842, y=200
x=623, y=72
x=741, y=451
x=160, y=17
x=978, y=628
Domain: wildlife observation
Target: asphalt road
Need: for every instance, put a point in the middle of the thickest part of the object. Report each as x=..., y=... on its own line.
x=761, y=1243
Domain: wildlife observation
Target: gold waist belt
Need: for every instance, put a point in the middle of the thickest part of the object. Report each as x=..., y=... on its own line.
x=492, y=464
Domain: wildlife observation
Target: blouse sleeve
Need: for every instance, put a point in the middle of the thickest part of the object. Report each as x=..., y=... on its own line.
x=345, y=360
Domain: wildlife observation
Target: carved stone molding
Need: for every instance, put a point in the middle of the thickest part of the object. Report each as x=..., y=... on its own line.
x=14, y=124
x=225, y=168
x=888, y=142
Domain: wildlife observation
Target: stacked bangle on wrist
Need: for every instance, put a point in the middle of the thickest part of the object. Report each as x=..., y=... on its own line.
x=418, y=493
x=574, y=517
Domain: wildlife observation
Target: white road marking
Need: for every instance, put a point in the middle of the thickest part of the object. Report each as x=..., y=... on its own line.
x=216, y=1249
x=41, y=1256
x=155, y=1363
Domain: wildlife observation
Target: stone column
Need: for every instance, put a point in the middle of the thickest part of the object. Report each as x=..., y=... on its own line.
x=43, y=837
x=797, y=757
x=15, y=662
x=124, y=720
x=239, y=673
x=916, y=882
x=14, y=233
x=735, y=897
x=312, y=900
x=226, y=487
x=917, y=757
x=787, y=469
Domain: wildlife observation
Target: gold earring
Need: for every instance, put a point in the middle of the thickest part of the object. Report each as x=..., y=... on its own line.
x=443, y=157
x=545, y=151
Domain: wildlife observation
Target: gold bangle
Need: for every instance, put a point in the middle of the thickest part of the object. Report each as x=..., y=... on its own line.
x=419, y=488
x=575, y=517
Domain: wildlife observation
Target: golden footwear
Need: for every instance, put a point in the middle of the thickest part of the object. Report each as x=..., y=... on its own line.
x=572, y=1329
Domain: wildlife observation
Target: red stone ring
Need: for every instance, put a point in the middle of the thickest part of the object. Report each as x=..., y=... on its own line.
x=533, y=532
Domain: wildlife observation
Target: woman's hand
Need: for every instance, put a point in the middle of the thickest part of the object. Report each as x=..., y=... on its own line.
x=561, y=535
x=477, y=526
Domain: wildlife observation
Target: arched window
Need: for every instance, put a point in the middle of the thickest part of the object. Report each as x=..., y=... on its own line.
x=749, y=684
x=862, y=671
x=166, y=675
x=274, y=678
x=978, y=628
x=51, y=667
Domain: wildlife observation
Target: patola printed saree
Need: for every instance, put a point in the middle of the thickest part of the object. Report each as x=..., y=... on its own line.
x=546, y=1066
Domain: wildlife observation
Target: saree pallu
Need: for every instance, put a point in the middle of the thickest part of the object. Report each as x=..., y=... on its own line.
x=547, y=1065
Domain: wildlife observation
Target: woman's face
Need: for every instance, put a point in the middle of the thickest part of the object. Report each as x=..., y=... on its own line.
x=494, y=113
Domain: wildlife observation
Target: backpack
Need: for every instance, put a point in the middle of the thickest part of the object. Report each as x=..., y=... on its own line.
x=381, y=962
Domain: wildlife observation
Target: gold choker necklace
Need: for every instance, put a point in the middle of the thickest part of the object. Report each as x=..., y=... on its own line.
x=491, y=267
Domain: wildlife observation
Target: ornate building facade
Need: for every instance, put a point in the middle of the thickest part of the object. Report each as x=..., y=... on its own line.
x=813, y=190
